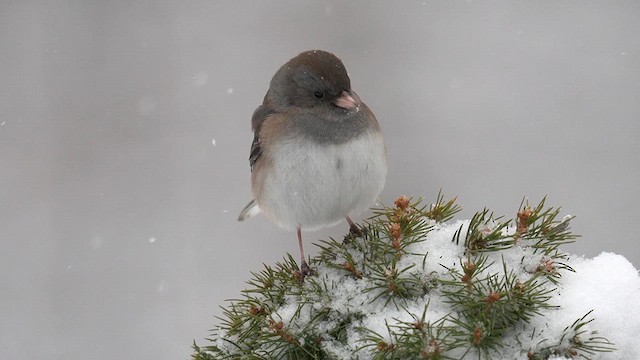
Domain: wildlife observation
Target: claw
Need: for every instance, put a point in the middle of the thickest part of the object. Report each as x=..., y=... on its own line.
x=305, y=271
x=355, y=231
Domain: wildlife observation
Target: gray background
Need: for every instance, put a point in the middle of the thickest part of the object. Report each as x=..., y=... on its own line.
x=124, y=137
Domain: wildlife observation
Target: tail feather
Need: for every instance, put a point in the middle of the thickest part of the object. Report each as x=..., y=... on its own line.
x=249, y=211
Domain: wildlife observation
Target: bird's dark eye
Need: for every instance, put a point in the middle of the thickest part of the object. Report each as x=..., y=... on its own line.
x=318, y=94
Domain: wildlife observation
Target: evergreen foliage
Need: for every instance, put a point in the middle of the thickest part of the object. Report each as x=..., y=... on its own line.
x=484, y=306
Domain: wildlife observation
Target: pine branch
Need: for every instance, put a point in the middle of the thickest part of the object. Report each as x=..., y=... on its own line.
x=385, y=295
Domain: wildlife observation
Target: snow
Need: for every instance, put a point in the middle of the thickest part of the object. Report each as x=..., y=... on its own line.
x=607, y=284
x=200, y=79
x=605, y=288
x=610, y=285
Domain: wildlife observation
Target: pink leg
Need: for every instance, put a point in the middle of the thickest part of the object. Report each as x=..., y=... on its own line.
x=304, y=267
x=300, y=244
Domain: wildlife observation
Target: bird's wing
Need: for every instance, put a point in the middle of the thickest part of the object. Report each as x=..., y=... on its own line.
x=261, y=114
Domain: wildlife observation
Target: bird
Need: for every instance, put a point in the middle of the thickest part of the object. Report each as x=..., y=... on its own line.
x=318, y=155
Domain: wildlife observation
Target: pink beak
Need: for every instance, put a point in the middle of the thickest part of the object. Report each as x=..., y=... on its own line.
x=345, y=101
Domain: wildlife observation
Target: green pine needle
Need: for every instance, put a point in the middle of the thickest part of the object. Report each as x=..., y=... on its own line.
x=489, y=299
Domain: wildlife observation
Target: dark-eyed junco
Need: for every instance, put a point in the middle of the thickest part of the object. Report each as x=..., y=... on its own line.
x=317, y=154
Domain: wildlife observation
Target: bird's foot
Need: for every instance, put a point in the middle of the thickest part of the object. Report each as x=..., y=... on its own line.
x=305, y=271
x=354, y=232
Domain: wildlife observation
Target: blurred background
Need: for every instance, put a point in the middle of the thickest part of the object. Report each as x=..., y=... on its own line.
x=124, y=142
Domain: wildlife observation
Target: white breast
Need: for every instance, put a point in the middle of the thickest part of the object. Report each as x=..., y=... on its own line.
x=315, y=185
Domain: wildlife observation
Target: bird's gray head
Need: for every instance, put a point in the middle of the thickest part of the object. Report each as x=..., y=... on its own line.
x=314, y=78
